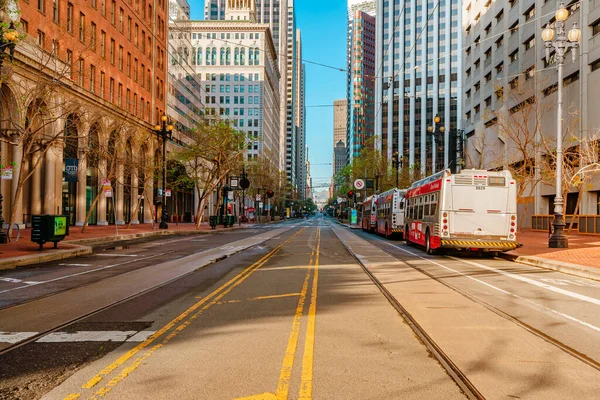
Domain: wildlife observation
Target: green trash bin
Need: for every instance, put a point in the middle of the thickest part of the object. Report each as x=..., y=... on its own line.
x=213, y=221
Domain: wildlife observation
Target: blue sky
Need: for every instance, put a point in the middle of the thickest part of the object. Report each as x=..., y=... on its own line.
x=323, y=26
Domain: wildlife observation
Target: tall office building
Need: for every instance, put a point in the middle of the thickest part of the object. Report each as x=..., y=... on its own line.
x=508, y=80
x=235, y=63
x=417, y=78
x=360, y=89
x=291, y=131
x=340, y=121
x=300, y=124
x=275, y=13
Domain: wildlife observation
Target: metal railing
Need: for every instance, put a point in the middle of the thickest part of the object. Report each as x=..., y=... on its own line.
x=583, y=224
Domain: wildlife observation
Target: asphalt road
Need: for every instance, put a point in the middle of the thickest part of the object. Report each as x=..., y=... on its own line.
x=297, y=316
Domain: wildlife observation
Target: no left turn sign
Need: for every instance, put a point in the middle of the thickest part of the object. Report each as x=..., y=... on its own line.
x=359, y=184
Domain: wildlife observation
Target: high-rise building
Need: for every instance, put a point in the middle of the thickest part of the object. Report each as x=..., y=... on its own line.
x=291, y=130
x=300, y=124
x=275, y=13
x=235, y=62
x=511, y=95
x=360, y=89
x=84, y=78
x=339, y=162
x=340, y=124
x=417, y=78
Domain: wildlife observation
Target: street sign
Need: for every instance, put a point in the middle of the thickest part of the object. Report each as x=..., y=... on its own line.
x=359, y=184
x=7, y=173
x=258, y=198
x=340, y=200
x=168, y=193
x=107, y=187
x=229, y=195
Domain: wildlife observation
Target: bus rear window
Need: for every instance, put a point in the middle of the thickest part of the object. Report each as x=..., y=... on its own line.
x=496, y=181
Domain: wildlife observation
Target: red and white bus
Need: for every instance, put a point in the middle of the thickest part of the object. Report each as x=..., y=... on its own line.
x=369, y=214
x=474, y=210
x=390, y=213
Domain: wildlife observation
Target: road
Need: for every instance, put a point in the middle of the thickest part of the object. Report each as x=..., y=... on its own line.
x=299, y=310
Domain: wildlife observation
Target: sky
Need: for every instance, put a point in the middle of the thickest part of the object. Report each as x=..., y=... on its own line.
x=323, y=28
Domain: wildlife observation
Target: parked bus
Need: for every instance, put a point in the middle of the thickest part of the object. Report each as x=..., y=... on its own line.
x=474, y=210
x=369, y=214
x=390, y=213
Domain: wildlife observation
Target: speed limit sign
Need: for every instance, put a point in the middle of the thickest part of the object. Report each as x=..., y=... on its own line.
x=359, y=184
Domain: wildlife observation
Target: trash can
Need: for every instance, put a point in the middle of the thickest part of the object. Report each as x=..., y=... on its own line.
x=213, y=221
x=49, y=228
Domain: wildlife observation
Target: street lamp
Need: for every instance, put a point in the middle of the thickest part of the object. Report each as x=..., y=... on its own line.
x=164, y=132
x=8, y=41
x=437, y=130
x=396, y=163
x=562, y=44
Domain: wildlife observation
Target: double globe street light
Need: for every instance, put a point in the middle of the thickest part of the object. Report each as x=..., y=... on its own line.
x=561, y=45
x=437, y=130
x=164, y=132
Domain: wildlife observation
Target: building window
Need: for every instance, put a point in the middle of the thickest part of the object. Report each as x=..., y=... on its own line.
x=113, y=11
x=94, y=4
x=70, y=18
x=499, y=94
x=514, y=83
x=530, y=13
x=121, y=58
x=488, y=101
x=488, y=77
x=135, y=70
x=529, y=43
x=488, y=29
x=477, y=62
x=120, y=94
x=514, y=56
x=55, y=11
x=477, y=109
x=103, y=44
x=513, y=3
x=500, y=42
x=571, y=78
x=121, y=14
x=102, y=80
x=129, y=25
x=41, y=6
x=111, y=91
x=595, y=65
x=595, y=28
x=514, y=28
x=499, y=16
x=82, y=27
x=530, y=72
x=92, y=78
x=80, y=73
x=93, y=36
x=468, y=72
x=41, y=38
x=477, y=86
x=112, y=51
x=500, y=67
x=135, y=34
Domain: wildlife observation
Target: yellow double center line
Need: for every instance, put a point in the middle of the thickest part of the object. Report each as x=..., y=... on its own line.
x=199, y=307
x=309, y=343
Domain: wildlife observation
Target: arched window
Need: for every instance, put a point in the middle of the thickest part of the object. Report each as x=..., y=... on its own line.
x=199, y=56
x=228, y=56
x=222, y=61
x=193, y=56
x=237, y=56
x=214, y=56
x=243, y=57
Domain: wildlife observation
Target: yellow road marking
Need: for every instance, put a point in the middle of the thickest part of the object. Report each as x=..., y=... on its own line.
x=264, y=396
x=73, y=396
x=309, y=343
x=283, y=268
x=225, y=287
x=283, y=386
x=275, y=296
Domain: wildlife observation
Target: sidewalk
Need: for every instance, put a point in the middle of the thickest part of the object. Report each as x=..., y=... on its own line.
x=25, y=252
x=582, y=258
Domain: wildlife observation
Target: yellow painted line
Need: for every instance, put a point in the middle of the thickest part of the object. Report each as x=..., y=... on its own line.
x=73, y=396
x=275, y=296
x=264, y=396
x=284, y=268
x=309, y=343
x=285, y=376
x=234, y=281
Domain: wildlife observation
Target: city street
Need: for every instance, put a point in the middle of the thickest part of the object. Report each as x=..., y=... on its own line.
x=289, y=312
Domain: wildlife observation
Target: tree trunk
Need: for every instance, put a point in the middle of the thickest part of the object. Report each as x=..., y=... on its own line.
x=576, y=212
x=137, y=208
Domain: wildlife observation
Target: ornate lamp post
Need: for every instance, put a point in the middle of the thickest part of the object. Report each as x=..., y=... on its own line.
x=164, y=132
x=8, y=41
x=396, y=163
x=437, y=130
x=562, y=44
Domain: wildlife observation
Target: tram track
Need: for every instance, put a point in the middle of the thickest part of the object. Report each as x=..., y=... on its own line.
x=549, y=339
x=435, y=350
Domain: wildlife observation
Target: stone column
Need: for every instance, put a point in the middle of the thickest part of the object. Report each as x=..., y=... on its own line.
x=17, y=156
x=149, y=200
x=134, y=197
x=58, y=181
x=81, y=190
x=119, y=193
x=36, y=183
x=102, y=199
x=49, y=182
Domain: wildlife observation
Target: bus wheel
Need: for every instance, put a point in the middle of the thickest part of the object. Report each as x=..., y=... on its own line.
x=428, y=248
x=406, y=238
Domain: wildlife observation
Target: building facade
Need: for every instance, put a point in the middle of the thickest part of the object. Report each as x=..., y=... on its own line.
x=78, y=105
x=340, y=129
x=511, y=96
x=417, y=78
x=235, y=62
x=300, y=123
x=360, y=89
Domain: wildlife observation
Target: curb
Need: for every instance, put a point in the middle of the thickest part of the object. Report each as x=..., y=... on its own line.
x=22, y=261
x=581, y=271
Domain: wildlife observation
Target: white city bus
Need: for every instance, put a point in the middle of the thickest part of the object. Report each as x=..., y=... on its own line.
x=369, y=214
x=474, y=210
x=390, y=213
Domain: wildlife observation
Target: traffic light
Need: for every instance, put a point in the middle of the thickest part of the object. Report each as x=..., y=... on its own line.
x=351, y=194
x=270, y=193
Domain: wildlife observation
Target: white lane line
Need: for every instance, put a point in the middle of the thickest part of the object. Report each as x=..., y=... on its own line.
x=532, y=282
x=11, y=280
x=594, y=327
x=84, y=272
x=115, y=255
x=76, y=265
x=15, y=337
